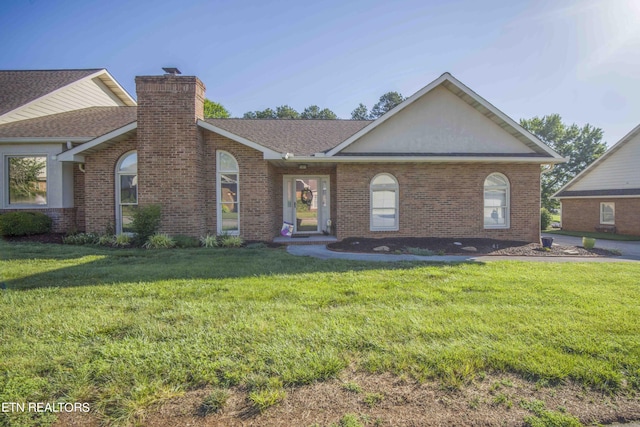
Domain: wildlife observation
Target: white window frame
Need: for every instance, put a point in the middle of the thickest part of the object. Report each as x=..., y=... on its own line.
x=396, y=188
x=219, y=172
x=613, y=208
x=119, y=204
x=507, y=207
x=7, y=196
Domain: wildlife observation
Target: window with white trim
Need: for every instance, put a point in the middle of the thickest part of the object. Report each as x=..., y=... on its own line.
x=27, y=181
x=496, y=201
x=384, y=203
x=126, y=191
x=607, y=213
x=228, y=194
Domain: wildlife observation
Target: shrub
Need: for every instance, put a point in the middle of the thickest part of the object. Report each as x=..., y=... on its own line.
x=186, y=241
x=228, y=241
x=81, y=239
x=159, y=241
x=545, y=218
x=122, y=240
x=214, y=402
x=209, y=241
x=107, y=240
x=24, y=223
x=146, y=221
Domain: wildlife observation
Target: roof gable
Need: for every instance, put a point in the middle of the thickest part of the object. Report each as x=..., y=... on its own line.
x=445, y=117
x=613, y=173
x=28, y=94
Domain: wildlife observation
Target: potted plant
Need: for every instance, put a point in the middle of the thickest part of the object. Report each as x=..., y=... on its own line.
x=588, y=242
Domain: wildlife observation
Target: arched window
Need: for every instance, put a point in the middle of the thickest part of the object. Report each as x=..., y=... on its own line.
x=384, y=203
x=496, y=201
x=228, y=194
x=126, y=191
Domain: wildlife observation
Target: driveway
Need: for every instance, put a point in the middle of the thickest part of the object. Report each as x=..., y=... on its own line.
x=630, y=250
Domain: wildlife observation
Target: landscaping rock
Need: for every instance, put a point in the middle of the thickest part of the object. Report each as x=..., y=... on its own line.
x=571, y=252
x=470, y=249
x=457, y=243
x=381, y=249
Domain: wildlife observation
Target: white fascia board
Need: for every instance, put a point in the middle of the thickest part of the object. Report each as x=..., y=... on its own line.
x=128, y=99
x=615, y=147
x=268, y=153
x=461, y=86
x=422, y=159
x=41, y=140
x=604, y=196
x=74, y=154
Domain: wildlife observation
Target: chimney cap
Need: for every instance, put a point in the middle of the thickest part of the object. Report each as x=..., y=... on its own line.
x=171, y=70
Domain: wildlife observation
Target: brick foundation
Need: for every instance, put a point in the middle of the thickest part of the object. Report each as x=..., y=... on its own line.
x=584, y=214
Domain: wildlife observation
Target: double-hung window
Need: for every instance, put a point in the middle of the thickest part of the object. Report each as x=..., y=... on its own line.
x=384, y=203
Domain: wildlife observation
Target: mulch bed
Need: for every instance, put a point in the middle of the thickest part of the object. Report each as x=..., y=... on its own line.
x=442, y=246
x=37, y=238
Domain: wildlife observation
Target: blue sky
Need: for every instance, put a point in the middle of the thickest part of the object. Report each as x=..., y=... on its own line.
x=578, y=58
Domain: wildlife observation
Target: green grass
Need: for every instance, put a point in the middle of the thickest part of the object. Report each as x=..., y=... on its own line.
x=125, y=329
x=605, y=236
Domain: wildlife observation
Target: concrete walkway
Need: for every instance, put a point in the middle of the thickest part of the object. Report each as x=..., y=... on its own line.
x=630, y=250
x=321, y=252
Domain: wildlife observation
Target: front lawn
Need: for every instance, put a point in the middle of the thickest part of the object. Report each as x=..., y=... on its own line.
x=124, y=329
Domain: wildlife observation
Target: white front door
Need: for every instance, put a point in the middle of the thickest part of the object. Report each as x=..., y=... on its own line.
x=306, y=203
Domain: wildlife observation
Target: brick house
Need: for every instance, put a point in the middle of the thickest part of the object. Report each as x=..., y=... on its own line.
x=606, y=195
x=444, y=163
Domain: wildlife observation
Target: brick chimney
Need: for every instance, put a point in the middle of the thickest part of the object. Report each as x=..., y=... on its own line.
x=170, y=151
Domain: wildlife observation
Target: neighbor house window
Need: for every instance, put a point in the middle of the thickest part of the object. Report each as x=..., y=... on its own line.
x=496, y=201
x=228, y=195
x=126, y=191
x=384, y=203
x=607, y=213
x=27, y=179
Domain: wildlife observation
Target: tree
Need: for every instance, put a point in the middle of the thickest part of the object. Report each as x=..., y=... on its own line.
x=314, y=112
x=267, y=113
x=213, y=110
x=286, y=112
x=360, y=113
x=387, y=101
x=581, y=145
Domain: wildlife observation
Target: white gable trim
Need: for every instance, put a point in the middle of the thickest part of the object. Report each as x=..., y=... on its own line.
x=618, y=145
x=422, y=159
x=267, y=152
x=75, y=154
x=446, y=77
x=109, y=81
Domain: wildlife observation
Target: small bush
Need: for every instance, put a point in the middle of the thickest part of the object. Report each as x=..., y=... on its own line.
x=186, y=241
x=122, y=240
x=214, y=402
x=545, y=219
x=107, y=240
x=81, y=239
x=159, y=241
x=228, y=241
x=146, y=221
x=24, y=223
x=209, y=241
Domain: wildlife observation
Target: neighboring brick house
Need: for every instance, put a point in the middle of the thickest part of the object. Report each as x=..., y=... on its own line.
x=606, y=195
x=444, y=163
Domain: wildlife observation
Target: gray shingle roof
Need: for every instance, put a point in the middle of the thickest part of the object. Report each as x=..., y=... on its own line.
x=18, y=87
x=89, y=122
x=300, y=137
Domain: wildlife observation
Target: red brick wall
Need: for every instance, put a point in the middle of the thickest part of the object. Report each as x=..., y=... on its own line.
x=78, y=197
x=439, y=200
x=584, y=214
x=99, y=186
x=171, y=171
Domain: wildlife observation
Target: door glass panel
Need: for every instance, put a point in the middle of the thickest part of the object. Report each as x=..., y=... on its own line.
x=306, y=205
